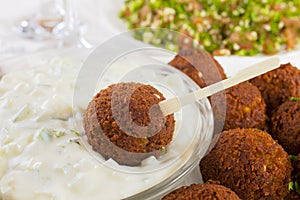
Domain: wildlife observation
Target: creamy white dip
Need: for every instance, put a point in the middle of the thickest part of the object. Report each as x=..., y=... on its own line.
x=40, y=157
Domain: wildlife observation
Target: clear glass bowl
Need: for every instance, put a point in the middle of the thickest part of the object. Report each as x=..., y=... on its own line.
x=194, y=123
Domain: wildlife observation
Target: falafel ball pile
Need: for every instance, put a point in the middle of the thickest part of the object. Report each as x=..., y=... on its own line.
x=205, y=191
x=249, y=162
x=117, y=123
x=285, y=126
x=278, y=86
x=245, y=107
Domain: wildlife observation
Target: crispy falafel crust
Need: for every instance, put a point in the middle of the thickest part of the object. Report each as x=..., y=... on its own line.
x=285, y=126
x=245, y=107
x=278, y=86
x=202, y=192
x=130, y=147
x=202, y=72
x=249, y=162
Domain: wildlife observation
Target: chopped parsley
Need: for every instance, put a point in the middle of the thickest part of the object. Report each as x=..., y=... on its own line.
x=74, y=140
x=293, y=158
x=222, y=27
x=75, y=132
x=58, y=134
x=294, y=186
x=291, y=185
x=163, y=151
x=48, y=135
x=295, y=98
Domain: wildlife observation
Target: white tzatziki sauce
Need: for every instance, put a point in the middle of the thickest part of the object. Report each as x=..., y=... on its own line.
x=40, y=156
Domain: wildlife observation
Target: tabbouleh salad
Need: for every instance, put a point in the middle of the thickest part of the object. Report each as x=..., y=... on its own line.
x=222, y=27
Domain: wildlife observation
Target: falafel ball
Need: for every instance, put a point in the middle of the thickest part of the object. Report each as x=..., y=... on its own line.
x=124, y=122
x=205, y=191
x=204, y=70
x=249, y=162
x=277, y=86
x=245, y=107
x=199, y=66
x=285, y=126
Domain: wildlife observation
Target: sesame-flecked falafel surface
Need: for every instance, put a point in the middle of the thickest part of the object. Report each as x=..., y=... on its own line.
x=118, y=125
x=249, y=162
x=285, y=126
x=278, y=86
x=245, y=107
x=205, y=191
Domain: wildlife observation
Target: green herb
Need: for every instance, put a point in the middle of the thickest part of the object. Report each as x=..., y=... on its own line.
x=74, y=140
x=163, y=151
x=291, y=186
x=293, y=158
x=294, y=186
x=47, y=135
x=240, y=27
x=58, y=134
x=62, y=118
x=295, y=98
x=75, y=132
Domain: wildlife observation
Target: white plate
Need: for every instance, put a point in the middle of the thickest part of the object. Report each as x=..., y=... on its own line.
x=231, y=64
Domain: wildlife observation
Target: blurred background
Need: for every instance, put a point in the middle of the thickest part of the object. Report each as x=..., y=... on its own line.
x=89, y=23
x=96, y=20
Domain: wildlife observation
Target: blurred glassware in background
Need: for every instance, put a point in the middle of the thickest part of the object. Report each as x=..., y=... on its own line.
x=56, y=20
